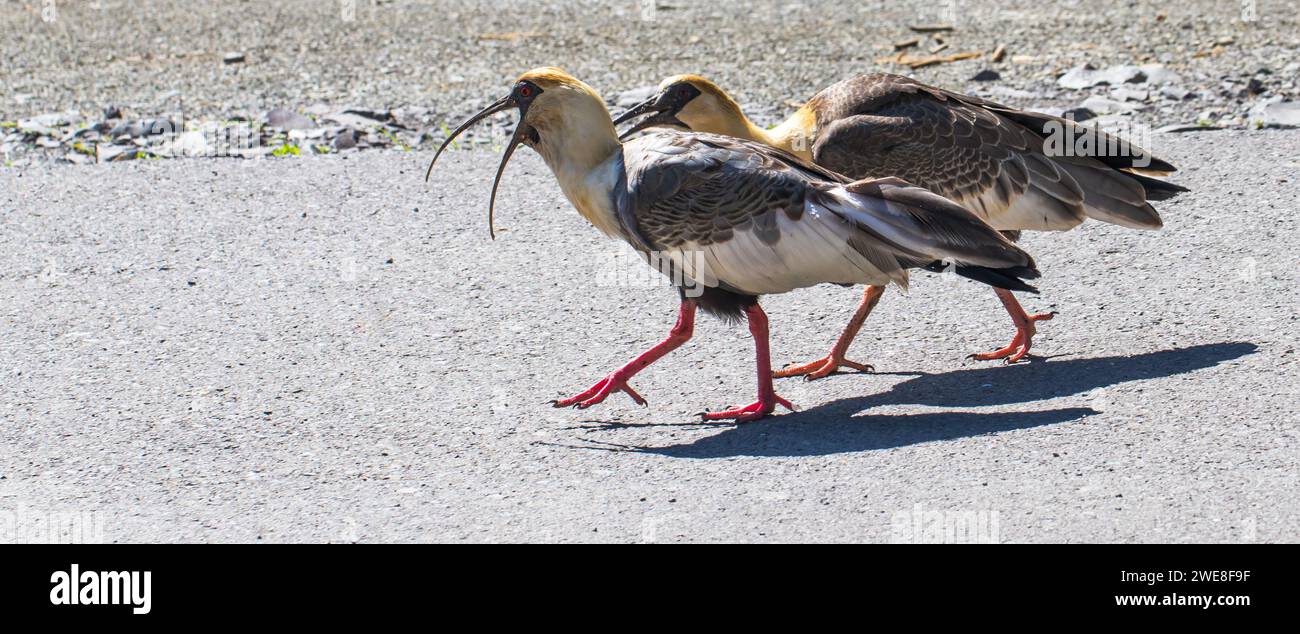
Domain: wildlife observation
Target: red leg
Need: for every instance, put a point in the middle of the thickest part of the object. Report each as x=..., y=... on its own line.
x=617, y=380
x=829, y=364
x=767, y=397
x=1025, y=330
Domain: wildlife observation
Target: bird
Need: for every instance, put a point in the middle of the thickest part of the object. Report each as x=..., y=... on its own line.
x=730, y=220
x=1018, y=170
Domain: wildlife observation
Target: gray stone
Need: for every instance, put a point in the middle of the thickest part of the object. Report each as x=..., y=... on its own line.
x=986, y=75
x=1129, y=94
x=1079, y=114
x=351, y=120
x=346, y=139
x=288, y=120
x=1085, y=76
x=1102, y=105
x=1159, y=75
x=110, y=153
x=378, y=116
x=1274, y=112
x=1186, y=127
x=33, y=128
x=194, y=143
x=130, y=129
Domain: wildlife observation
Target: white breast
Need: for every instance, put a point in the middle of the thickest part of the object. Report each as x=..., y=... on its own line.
x=812, y=250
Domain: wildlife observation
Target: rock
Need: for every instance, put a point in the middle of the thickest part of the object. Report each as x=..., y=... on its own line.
x=1128, y=94
x=1186, y=127
x=112, y=112
x=1102, y=105
x=345, y=140
x=411, y=117
x=1079, y=114
x=288, y=120
x=1158, y=75
x=1085, y=76
x=380, y=116
x=33, y=128
x=318, y=110
x=986, y=75
x=110, y=153
x=1253, y=87
x=55, y=119
x=1176, y=93
x=349, y=119
x=139, y=129
x=44, y=125
x=1276, y=113
x=132, y=129
x=232, y=58
x=194, y=143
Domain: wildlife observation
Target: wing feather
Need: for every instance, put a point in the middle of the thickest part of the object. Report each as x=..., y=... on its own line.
x=744, y=216
x=988, y=157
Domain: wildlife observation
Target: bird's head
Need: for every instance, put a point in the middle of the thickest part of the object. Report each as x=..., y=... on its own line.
x=560, y=117
x=687, y=102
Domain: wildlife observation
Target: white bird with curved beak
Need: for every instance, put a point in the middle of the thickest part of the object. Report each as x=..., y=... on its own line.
x=989, y=158
x=738, y=219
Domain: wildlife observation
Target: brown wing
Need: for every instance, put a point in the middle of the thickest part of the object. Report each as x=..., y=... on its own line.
x=981, y=154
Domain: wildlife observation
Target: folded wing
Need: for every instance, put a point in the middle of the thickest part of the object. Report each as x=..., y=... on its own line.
x=751, y=219
x=1017, y=170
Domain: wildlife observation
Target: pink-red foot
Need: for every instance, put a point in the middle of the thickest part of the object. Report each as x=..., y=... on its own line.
x=751, y=412
x=1020, y=344
x=821, y=368
x=598, y=392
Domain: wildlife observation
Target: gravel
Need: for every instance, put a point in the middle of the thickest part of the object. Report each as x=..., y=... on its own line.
x=451, y=58
x=329, y=349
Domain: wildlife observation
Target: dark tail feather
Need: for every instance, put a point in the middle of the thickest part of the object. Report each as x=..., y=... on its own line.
x=1008, y=278
x=1158, y=189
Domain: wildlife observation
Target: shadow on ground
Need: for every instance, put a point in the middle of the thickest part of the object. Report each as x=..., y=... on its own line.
x=840, y=426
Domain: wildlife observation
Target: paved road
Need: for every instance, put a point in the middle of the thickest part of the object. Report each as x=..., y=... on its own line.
x=327, y=348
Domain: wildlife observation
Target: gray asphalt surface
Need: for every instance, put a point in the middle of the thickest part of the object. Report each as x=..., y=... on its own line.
x=328, y=349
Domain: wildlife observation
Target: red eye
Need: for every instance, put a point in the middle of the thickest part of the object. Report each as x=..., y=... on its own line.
x=525, y=91
x=682, y=92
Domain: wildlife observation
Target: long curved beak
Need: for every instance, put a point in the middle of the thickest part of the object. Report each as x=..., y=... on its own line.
x=518, y=135
x=664, y=114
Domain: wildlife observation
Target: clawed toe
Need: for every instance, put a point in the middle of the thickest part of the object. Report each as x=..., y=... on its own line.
x=754, y=411
x=821, y=368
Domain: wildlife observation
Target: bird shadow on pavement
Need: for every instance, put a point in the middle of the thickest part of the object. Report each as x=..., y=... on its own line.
x=840, y=426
